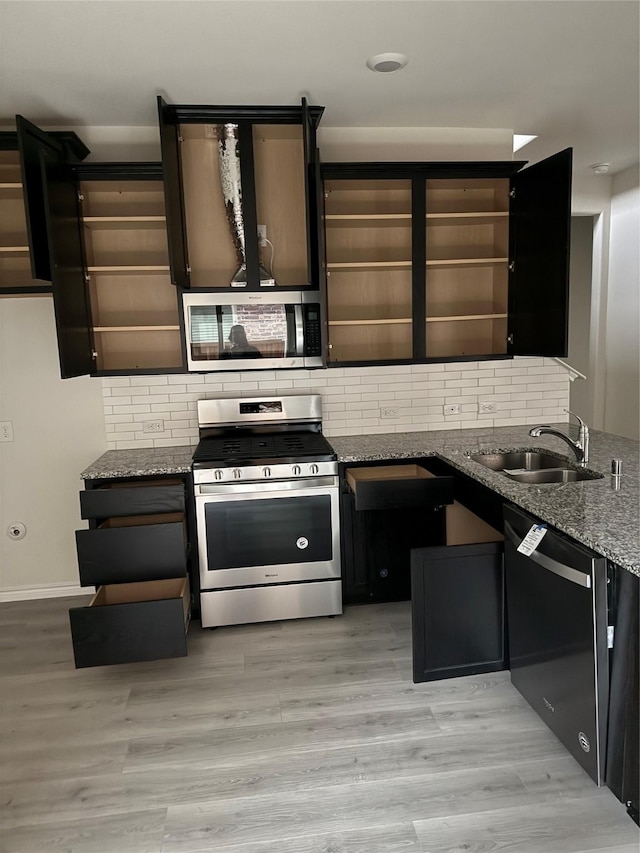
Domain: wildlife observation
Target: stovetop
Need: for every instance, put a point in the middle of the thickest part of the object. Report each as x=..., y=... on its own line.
x=286, y=447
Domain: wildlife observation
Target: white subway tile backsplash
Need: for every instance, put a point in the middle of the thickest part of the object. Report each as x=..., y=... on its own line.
x=527, y=390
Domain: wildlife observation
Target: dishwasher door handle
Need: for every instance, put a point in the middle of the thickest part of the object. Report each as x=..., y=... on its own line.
x=551, y=565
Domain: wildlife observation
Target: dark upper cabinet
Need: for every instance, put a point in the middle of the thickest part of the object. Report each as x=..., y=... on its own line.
x=446, y=261
x=25, y=266
x=70, y=297
x=540, y=244
x=116, y=309
x=232, y=171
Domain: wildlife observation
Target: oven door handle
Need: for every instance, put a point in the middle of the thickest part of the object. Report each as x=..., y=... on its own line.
x=269, y=486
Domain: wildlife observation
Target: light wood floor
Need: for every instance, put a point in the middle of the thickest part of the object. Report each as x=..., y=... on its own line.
x=294, y=737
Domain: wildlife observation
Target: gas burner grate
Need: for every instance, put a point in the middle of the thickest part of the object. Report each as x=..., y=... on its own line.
x=232, y=449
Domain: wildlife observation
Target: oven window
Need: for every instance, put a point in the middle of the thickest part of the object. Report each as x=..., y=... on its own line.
x=268, y=532
x=240, y=331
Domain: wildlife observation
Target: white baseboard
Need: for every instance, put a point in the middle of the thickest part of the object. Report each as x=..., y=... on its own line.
x=57, y=590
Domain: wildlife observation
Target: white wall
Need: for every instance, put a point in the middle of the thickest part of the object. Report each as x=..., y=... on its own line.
x=58, y=430
x=622, y=378
x=580, y=278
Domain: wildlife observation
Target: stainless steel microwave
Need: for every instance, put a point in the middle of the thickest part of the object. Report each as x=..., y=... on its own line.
x=252, y=330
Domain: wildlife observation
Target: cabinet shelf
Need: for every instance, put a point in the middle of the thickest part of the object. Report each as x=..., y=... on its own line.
x=487, y=217
x=457, y=317
x=120, y=270
x=367, y=220
x=136, y=328
x=377, y=322
x=459, y=262
x=9, y=251
x=361, y=265
x=129, y=223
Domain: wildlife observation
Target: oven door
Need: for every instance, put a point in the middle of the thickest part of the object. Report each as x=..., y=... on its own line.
x=268, y=533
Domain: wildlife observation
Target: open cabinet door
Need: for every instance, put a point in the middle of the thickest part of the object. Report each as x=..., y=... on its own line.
x=173, y=200
x=66, y=250
x=539, y=283
x=31, y=143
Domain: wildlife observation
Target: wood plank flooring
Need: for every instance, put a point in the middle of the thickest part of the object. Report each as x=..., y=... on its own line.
x=294, y=737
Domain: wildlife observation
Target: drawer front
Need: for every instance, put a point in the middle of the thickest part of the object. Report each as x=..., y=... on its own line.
x=124, y=554
x=132, y=630
x=133, y=500
x=392, y=490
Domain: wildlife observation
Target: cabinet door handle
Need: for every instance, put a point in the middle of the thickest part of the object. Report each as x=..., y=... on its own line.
x=551, y=565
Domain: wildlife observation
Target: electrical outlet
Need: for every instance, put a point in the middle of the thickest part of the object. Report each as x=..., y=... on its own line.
x=485, y=408
x=6, y=430
x=262, y=235
x=388, y=413
x=152, y=426
x=453, y=409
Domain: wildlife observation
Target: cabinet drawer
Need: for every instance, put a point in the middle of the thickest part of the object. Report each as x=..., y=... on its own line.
x=145, y=497
x=131, y=622
x=397, y=487
x=136, y=548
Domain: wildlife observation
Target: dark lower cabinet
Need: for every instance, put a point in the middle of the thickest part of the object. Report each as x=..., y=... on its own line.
x=138, y=564
x=131, y=622
x=623, y=746
x=386, y=511
x=457, y=610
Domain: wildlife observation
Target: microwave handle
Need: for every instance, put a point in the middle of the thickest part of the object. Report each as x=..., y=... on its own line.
x=299, y=328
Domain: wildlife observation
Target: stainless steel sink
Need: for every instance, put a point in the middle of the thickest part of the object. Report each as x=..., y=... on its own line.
x=529, y=460
x=553, y=475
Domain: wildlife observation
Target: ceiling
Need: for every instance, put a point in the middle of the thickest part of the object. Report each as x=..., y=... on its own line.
x=566, y=70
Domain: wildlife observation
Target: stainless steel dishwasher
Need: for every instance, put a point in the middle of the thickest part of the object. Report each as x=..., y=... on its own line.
x=557, y=630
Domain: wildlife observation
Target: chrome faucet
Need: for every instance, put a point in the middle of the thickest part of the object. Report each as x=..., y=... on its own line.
x=579, y=447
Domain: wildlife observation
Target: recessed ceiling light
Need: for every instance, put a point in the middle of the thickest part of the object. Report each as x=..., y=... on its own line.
x=520, y=140
x=386, y=62
x=601, y=168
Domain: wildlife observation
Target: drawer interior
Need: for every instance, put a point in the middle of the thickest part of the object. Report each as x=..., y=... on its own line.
x=138, y=484
x=129, y=593
x=384, y=472
x=141, y=520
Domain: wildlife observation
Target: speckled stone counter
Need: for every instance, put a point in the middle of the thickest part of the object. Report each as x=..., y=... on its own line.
x=592, y=512
x=141, y=462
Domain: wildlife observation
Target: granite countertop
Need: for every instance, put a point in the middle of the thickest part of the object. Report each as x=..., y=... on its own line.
x=592, y=512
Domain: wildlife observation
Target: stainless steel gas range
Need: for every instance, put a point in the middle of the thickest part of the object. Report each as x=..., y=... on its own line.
x=267, y=511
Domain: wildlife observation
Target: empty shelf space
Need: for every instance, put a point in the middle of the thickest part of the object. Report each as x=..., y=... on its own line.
x=367, y=220
x=467, y=337
x=467, y=195
x=132, y=349
x=368, y=264
x=136, y=328
x=122, y=199
x=10, y=190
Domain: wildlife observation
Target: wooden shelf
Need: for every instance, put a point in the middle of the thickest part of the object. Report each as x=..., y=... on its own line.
x=460, y=262
x=457, y=317
x=378, y=322
x=136, y=328
x=368, y=220
x=14, y=250
x=467, y=218
x=124, y=222
x=118, y=270
x=360, y=265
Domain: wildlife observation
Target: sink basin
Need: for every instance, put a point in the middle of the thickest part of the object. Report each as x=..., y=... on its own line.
x=529, y=460
x=552, y=475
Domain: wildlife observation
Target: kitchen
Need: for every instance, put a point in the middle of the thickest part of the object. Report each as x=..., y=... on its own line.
x=72, y=444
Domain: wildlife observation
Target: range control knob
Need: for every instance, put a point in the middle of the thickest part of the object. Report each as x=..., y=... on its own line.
x=217, y=474
x=266, y=472
x=237, y=473
x=314, y=469
x=295, y=470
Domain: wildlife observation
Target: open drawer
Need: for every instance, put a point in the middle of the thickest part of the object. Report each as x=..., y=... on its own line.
x=141, y=497
x=129, y=622
x=135, y=548
x=398, y=487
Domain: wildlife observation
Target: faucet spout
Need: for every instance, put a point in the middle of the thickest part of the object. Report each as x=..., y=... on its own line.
x=579, y=447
